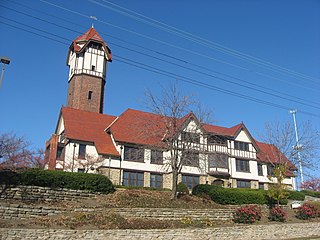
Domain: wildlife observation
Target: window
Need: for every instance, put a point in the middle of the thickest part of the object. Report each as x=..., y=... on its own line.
x=242, y=165
x=82, y=170
x=134, y=179
x=241, y=146
x=260, y=171
x=243, y=184
x=133, y=154
x=59, y=152
x=261, y=185
x=190, y=180
x=90, y=95
x=93, y=67
x=190, y=137
x=190, y=158
x=82, y=151
x=270, y=170
x=217, y=160
x=156, y=157
x=213, y=139
x=156, y=180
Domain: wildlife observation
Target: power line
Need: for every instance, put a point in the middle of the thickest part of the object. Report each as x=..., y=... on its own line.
x=202, y=41
x=159, y=41
x=168, y=74
x=208, y=75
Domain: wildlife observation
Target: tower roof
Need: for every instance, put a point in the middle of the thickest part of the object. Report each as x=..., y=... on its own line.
x=91, y=35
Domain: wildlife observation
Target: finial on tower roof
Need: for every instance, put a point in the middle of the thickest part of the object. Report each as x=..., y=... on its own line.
x=93, y=19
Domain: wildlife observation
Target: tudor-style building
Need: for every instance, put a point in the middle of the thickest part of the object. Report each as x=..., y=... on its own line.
x=128, y=150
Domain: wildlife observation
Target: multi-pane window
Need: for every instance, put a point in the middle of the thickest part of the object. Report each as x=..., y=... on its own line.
x=270, y=169
x=156, y=180
x=190, y=158
x=260, y=172
x=242, y=165
x=133, y=154
x=243, y=184
x=134, y=179
x=241, y=146
x=82, y=151
x=218, y=160
x=214, y=139
x=190, y=137
x=190, y=181
x=156, y=157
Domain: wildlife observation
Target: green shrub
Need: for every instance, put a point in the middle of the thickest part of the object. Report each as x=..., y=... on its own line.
x=236, y=196
x=233, y=196
x=203, y=189
x=8, y=177
x=277, y=214
x=182, y=188
x=247, y=214
x=311, y=193
x=60, y=179
x=295, y=195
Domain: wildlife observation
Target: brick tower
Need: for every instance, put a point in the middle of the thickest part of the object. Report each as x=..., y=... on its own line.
x=87, y=60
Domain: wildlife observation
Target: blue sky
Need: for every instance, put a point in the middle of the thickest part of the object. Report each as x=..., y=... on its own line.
x=271, y=46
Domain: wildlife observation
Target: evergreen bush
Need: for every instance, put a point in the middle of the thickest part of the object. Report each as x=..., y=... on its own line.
x=311, y=193
x=59, y=179
x=182, y=188
x=296, y=195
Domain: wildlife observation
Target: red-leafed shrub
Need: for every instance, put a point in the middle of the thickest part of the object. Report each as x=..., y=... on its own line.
x=277, y=214
x=307, y=211
x=247, y=214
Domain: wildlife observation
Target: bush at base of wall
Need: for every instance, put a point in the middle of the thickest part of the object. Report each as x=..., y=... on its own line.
x=233, y=196
x=58, y=179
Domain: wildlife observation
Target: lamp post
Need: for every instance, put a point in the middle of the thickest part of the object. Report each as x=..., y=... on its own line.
x=5, y=61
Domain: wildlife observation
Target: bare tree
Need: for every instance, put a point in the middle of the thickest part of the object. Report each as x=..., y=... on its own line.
x=90, y=162
x=282, y=136
x=14, y=152
x=312, y=184
x=179, y=138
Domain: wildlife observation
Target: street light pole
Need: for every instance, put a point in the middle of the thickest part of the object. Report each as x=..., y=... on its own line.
x=298, y=147
x=5, y=61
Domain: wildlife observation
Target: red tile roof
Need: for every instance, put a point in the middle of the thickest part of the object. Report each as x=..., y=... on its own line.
x=271, y=154
x=89, y=126
x=143, y=128
x=139, y=127
x=223, y=130
x=90, y=35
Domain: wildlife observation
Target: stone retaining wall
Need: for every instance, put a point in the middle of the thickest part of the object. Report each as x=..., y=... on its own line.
x=35, y=193
x=23, y=211
x=270, y=231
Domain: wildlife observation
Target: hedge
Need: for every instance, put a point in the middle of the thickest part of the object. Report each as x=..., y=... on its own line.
x=295, y=195
x=58, y=179
x=311, y=193
x=233, y=196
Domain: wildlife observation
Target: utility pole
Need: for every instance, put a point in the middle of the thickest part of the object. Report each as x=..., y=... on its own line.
x=5, y=61
x=298, y=147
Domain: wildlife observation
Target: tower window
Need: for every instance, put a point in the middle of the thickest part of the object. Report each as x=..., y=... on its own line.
x=90, y=95
x=93, y=68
